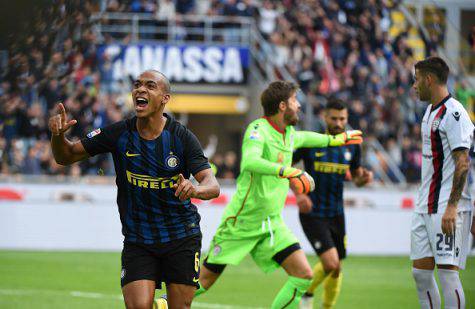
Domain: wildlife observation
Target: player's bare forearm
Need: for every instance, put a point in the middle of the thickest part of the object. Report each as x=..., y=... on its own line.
x=462, y=166
x=208, y=187
x=61, y=148
x=66, y=152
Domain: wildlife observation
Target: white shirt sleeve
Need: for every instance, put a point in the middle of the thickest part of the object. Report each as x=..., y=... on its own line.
x=458, y=128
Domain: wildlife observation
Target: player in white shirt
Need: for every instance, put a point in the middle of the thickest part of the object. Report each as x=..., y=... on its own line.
x=441, y=221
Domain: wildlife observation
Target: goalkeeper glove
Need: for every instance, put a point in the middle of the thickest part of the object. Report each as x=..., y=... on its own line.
x=346, y=138
x=289, y=172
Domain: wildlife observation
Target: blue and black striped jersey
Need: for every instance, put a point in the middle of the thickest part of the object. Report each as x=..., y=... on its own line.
x=328, y=166
x=146, y=171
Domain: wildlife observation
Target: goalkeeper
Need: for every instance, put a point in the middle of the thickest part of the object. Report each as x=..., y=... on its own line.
x=252, y=223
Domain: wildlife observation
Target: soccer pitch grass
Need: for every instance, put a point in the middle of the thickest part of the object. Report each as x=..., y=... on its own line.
x=91, y=280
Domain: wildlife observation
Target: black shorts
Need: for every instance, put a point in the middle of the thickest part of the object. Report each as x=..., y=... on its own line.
x=177, y=261
x=325, y=233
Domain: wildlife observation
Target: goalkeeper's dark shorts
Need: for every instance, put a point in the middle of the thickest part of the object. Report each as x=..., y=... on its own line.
x=325, y=233
x=177, y=261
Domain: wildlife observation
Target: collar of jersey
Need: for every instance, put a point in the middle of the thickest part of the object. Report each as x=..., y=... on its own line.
x=274, y=125
x=434, y=107
x=167, y=123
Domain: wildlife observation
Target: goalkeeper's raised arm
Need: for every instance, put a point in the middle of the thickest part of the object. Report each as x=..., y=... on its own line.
x=268, y=141
x=308, y=139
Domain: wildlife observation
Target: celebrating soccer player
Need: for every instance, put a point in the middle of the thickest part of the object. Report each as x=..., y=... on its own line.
x=321, y=214
x=154, y=156
x=441, y=222
x=252, y=222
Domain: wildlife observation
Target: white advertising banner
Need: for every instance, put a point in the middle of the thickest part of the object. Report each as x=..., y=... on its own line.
x=85, y=217
x=185, y=63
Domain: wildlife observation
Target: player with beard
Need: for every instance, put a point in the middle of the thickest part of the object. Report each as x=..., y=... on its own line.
x=252, y=223
x=154, y=156
x=441, y=221
x=321, y=213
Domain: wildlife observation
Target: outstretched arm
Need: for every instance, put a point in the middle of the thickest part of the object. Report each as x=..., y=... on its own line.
x=312, y=139
x=65, y=152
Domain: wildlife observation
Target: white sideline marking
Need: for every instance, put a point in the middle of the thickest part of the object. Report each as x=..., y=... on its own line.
x=107, y=296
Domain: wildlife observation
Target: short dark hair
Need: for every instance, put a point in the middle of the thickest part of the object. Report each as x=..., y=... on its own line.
x=276, y=92
x=334, y=103
x=436, y=66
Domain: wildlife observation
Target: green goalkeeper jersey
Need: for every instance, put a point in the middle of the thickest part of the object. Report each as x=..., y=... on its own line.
x=260, y=192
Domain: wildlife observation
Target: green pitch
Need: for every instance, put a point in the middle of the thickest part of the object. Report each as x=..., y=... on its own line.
x=91, y=280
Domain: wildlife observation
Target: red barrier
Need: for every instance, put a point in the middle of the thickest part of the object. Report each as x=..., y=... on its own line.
x=7, y=194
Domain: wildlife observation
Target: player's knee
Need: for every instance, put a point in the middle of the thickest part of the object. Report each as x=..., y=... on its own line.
x=305, y=273
x=423, y=277
x=332, y=267
x=336, y=272
x=138, y=303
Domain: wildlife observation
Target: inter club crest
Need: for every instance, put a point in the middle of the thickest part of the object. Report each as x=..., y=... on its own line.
x=172, y=161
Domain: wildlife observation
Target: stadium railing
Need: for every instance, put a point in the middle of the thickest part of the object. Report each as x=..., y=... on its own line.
x=187, y=28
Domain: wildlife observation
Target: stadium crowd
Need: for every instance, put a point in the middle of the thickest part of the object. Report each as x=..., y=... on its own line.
x=337, y=48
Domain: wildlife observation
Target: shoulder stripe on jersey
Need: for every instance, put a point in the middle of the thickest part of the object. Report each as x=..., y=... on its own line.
x=437, y=163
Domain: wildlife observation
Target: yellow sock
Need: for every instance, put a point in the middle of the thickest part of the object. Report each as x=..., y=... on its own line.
x=318, y=276
x=331, y=290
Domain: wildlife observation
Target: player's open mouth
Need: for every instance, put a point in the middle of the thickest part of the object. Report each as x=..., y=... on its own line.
x=140, y=103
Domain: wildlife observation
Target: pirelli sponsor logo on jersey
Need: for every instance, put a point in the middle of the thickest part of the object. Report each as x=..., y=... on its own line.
x=149, y=182
x=331, y=168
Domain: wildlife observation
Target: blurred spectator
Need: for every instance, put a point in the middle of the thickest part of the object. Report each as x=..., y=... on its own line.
x=142, y=6
x=465, y=95
x=218, y=161
x=184, y=6
x=230, y=167
x=267, y=18
x=166, y=9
